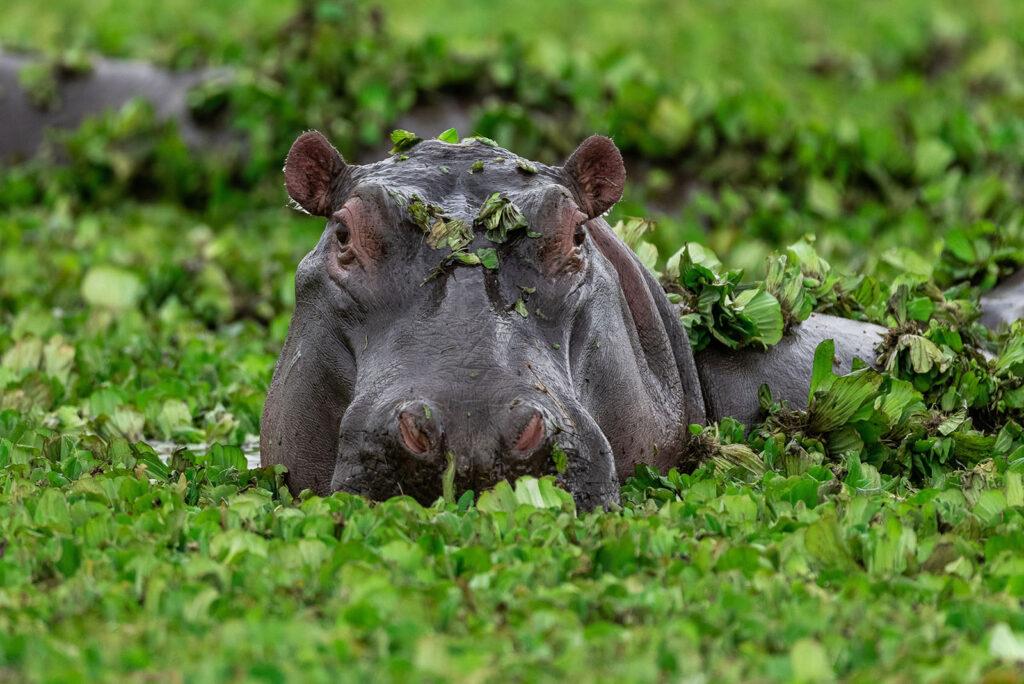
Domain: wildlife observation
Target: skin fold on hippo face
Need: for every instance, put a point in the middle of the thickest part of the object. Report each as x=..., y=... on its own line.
x=465, y=305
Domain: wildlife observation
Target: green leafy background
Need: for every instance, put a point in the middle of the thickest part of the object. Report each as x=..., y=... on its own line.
x=146, y=290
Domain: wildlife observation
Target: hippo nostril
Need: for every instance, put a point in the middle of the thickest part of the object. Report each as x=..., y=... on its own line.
x=532, y=434
x=415, y=439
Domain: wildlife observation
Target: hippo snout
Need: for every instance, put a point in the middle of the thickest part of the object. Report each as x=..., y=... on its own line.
x=420, y=430
x=405, y=449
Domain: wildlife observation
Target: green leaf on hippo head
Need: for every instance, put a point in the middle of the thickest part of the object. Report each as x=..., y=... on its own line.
x=453, y=234
x=423, y=213
x=403, y=140
x=477, y=166
x=449, y=136
x=526, y=167
x=499, y=216
x=488, y=256
x=520, y=307
x=466, y=258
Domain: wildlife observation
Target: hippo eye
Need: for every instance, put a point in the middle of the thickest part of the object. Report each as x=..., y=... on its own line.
x=344, y=238
x=342, y=235
x=579, y=235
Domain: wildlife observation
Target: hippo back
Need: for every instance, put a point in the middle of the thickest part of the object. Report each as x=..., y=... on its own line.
x=731, y=378
x=1005, y=304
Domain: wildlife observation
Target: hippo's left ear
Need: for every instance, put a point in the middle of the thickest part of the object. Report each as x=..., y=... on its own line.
x=595, y=170
x=311, y=171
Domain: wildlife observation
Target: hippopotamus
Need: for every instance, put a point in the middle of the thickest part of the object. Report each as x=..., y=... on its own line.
x=1004, y=304
x=101, y=85
x=465, y=305
x=468, y=313
x=466, y=308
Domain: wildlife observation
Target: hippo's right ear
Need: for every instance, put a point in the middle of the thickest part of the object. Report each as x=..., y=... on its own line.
x=312, y=171
x=597, y=173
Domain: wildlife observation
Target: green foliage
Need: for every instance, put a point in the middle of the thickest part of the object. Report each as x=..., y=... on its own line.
x=705, y=574
x=876, y=496
x=850, y=136
x=146, y=290
x=732, y=318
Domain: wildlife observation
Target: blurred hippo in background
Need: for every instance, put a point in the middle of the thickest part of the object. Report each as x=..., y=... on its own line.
x=70, y=94
x=1004, y=304
x=466, y=304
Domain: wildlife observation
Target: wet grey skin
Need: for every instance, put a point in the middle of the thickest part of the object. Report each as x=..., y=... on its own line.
x=391, y=363
x=1004, y=304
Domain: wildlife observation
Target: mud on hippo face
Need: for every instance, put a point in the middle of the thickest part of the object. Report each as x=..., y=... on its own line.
x=403, y=349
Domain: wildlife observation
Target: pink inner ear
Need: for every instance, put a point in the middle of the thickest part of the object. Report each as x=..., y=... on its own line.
x=309, y=171
x=596, y=168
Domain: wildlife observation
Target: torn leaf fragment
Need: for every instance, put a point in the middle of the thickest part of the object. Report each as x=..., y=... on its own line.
x=403, y=141
x=499, y=216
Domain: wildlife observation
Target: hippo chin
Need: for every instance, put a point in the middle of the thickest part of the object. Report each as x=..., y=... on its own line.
x=406, y=347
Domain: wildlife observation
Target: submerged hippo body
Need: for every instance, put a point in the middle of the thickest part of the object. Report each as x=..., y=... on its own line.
x=106, y=85
x=730, y=378
x=1004, y=304
x=399, y=355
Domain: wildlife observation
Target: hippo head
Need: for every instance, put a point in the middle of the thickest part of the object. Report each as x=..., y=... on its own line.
x=468, y=306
